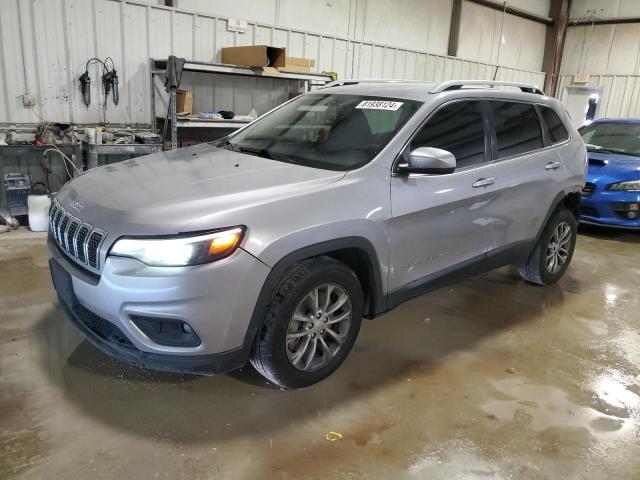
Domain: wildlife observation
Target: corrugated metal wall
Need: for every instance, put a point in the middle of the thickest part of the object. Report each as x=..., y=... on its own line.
x=56, y=37
x=620, y=93
x=602, y=49
x=409, y=24
x=488, y=37
x=605, y=9
x=610, y=54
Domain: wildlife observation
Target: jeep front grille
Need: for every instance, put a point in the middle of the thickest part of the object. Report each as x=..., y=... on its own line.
x=77, y=239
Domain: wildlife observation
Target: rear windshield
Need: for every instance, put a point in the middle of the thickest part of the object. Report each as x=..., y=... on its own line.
x=329, y=131
x=612, y=137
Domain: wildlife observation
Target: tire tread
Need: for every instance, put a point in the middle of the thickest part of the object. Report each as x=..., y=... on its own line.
x=531, y=270
x=260, y=359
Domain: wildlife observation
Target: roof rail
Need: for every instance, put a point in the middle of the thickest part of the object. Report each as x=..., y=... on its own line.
x=458, y=84
x=355, y=81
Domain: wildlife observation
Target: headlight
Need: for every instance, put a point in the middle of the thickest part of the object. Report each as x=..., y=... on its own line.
x=631, y=186
x=179, y=251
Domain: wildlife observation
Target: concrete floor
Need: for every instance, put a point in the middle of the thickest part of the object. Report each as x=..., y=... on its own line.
x=492, y=378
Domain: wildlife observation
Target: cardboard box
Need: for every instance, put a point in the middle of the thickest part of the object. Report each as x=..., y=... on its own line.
x=300, y=62
x=294, y=68
x=298, y=65
x=257, y=56
x=184, y=102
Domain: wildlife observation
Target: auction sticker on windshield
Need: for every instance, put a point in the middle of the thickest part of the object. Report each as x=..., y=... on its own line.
x=379, y=105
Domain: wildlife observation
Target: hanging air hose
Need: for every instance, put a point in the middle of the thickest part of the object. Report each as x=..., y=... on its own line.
x=46, y=167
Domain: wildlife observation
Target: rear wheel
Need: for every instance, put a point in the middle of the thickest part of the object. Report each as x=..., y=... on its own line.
x=311, y=324
x=553, y=252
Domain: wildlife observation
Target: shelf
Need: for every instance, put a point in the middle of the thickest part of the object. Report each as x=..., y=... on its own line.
x=160, y=65
x=28, y=149
x=122, y=148
x=196, y=122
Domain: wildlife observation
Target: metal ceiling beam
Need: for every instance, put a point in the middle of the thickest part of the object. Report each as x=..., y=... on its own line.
x=603, y=21
x=513, y=11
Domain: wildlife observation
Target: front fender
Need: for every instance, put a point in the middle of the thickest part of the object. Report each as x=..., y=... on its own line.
x=378, y=298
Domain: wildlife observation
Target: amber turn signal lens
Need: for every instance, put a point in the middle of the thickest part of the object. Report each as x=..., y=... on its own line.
x=225, y=243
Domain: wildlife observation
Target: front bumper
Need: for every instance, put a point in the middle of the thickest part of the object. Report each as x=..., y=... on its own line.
x=610, y=208
x=216, y=300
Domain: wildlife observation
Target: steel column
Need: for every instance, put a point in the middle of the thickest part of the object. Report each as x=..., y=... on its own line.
x=554, y=44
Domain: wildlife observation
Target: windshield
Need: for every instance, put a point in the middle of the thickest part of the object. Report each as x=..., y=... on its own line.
x=334, y=132
x=612, y=137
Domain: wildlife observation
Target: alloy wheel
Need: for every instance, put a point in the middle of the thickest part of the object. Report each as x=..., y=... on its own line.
x=558, y=248
x=318, y=327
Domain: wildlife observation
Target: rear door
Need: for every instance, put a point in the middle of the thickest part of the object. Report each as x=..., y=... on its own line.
x=529, y=169
x=442, y=223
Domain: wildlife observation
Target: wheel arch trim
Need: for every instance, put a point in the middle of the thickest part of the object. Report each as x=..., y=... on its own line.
x=377, y=299
x=562, y=198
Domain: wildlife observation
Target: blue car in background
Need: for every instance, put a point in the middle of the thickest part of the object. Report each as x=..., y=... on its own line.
x=612, y=194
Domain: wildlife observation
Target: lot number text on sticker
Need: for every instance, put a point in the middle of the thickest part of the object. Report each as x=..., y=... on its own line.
x=379, y=105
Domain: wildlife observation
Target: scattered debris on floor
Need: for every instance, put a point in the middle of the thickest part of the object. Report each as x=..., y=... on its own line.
x=333, y=436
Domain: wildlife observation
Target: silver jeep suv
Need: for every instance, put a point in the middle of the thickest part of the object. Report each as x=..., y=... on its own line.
x=271, y=245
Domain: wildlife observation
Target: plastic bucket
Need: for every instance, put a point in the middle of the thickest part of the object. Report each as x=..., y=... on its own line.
x=38, y=206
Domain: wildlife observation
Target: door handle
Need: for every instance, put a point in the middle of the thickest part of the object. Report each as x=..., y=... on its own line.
x=552, y=166
x=484, y=182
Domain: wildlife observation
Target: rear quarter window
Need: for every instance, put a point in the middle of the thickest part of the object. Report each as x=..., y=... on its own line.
x=557, y=131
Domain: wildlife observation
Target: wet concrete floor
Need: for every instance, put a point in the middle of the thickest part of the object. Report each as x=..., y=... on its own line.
x=491, y=378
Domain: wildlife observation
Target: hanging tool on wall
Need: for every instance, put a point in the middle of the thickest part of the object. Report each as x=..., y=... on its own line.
x=109, y=81
x=171, y=84
x=85, y=88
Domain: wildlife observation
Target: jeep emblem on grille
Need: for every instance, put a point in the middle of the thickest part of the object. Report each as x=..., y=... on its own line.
x=76, y=205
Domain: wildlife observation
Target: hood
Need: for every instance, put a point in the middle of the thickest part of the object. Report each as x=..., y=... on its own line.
x=168, y=192
x=606, y=168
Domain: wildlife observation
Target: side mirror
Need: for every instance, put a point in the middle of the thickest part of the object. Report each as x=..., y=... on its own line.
x=428, y=160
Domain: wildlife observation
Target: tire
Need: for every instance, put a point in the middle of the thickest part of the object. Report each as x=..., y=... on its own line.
x=539, y=269
x=284, y=361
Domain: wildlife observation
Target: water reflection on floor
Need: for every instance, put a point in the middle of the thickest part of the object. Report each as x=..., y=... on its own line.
x=489, y=378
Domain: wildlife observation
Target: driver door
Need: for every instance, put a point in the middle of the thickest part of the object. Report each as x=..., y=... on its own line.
x=442, y=225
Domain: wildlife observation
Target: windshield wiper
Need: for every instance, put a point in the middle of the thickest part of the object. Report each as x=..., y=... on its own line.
x=265, y=153
x=281, y=156
x=226, y=144
x=260, y=152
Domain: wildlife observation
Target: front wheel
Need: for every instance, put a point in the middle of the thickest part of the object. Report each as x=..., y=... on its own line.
x=311, y=324
x=553, y=252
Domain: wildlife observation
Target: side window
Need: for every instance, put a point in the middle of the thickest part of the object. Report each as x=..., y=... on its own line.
x=517, y=128
x=457, y=128
x=557, y=131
